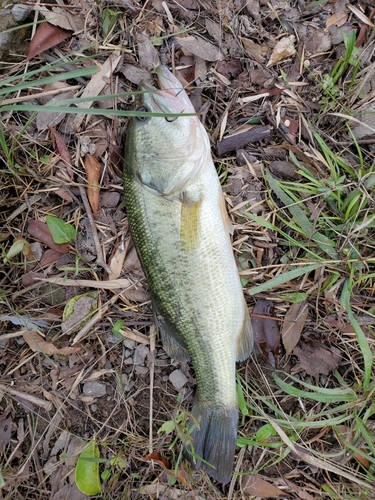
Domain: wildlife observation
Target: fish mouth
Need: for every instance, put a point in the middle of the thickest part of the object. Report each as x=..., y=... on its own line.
x=167, y=93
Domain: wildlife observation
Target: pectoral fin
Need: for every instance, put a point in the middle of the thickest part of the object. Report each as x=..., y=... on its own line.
x=224, y=214
x=190, y=223
x=245, y=341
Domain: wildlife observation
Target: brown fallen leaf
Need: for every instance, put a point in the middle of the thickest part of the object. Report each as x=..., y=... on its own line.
x=294, y=322
x=38, y=344
x=266, y=330
x=338, y=19
x=78, y=310
x=116, y=262
x=62, y=149
x=255, y=485
x=317, y=360
x=159, y=459
x=49, y=257
x=200, y=47
x=62, y=18
x=93, y=171
x=45, y=37
x=97, y=84
x=46, y=119
x=39, y=230
x=147, y=54
x=255, y=50
x=282, y=50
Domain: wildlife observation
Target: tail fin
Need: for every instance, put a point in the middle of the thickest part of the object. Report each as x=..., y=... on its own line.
x=214, y=440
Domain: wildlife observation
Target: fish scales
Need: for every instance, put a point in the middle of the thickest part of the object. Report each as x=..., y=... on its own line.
x=175, y=209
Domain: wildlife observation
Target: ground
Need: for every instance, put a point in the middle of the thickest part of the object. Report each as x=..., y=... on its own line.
x=285, y=91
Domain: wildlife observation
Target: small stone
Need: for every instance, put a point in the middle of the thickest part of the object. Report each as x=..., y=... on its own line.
x=141, y=370
x=20, y=12
x=129, y=343
x=94, y=389
x=112, y=339
x=37, y=250
x=94, y=408
x=140, y=354
x=177, y=379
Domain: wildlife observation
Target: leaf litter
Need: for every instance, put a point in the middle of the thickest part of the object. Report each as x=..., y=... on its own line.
x=270, y=72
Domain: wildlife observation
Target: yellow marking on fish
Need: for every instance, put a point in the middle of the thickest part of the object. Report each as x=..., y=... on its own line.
x=189, y=232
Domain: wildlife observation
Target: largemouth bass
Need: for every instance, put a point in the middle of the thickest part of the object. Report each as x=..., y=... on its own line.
x=180, y=228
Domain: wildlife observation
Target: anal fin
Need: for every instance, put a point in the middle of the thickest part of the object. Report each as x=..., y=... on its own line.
x=245, y=340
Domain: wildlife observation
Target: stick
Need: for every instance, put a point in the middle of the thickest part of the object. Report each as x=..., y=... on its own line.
x=238, y=141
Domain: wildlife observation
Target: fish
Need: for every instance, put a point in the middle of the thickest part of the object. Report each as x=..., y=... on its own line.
x=181, y=231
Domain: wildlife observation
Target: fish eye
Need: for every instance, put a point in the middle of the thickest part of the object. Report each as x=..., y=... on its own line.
x=143, y=109
x=171, y=119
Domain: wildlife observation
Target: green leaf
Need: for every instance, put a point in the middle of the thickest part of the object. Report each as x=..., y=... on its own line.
x=87, y=470
x=283, y=278
x=295, y=297
x=61, y=231
x=265, y=432
x=361, y=337
x=307, y=228
x=241, y=399
x=119, y=325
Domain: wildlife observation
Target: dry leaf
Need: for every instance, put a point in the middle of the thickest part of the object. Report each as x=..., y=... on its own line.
x=134, y=74
x=116, y=262
x=61, y=18
x=82, y=307
x=62, y=149
x=156, y=457
x=266, y=330
x=39, y=230
x=258, y=52
x=338, y=19
x=282, y=50
x=147, y=53
x=49, y=257
x=294, y=322
x=255, y=485
x=45, y=37
x=93, y=171
x=200, y=48
x=97, y=84
x=38, y=344
x=46, y=119
x=316, y=360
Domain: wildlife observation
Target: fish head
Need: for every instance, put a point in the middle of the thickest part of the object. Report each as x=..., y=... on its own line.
x=166, y=152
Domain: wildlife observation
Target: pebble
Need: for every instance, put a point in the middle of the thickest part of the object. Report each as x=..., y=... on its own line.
x=20, y=12
x=94, y=389
x=177, y=379
x=141, y=370
x=94, y=408
x=140, y=354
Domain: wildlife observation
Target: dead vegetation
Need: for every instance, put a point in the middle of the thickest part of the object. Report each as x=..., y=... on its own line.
x=286, y=91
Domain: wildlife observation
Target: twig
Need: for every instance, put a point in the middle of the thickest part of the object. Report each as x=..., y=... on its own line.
x=99, y=256
x=238, y=141
x=88, y=326
x=28, y=397
x=152, y=372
